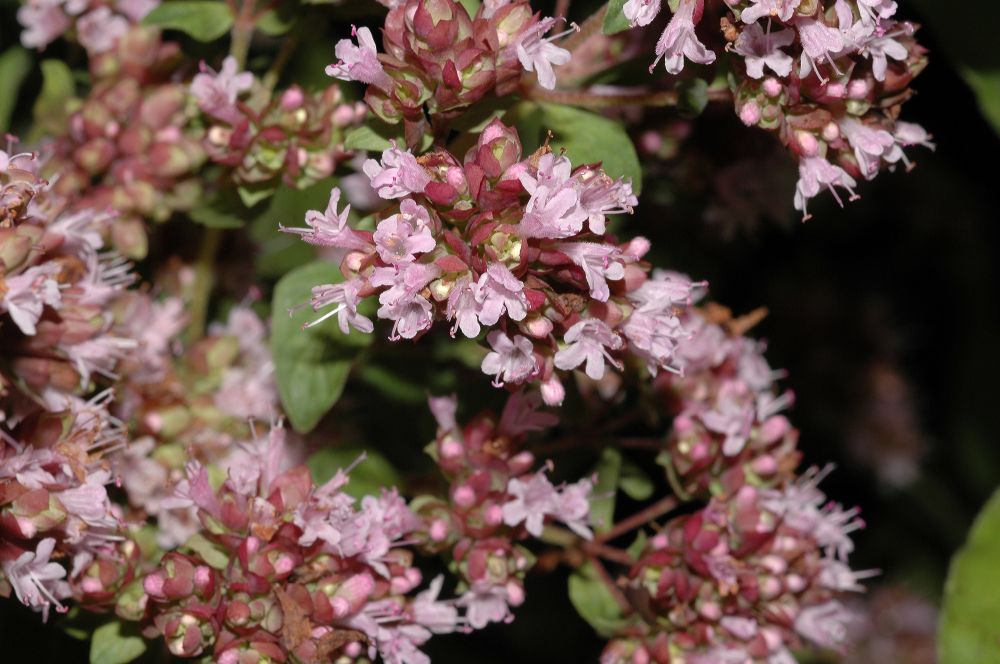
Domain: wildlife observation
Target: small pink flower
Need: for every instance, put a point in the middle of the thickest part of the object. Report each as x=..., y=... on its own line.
x=815, y=173
x=402, y=302
x=599, y=263
x=397, y=175
x=28, y=293
x=330, y=229
x=399, y=238
x=539, y=55
x=216, y=92
x=37, y=581
x=679, y=41
x=641, y=12
x=511, y=360
x=759, y=49
x=588, y=341
x=99, y=30
x=345, y=296
x=499, y=291
x=779, y=9
x=359, y=62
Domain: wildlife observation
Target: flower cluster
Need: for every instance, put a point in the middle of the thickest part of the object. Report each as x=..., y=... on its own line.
x=828, y=78
x=516, y=245
x=267, y=139
x=96, y=24
x=440, y=60
x=286, y=569
x=61, y=340
x=495, y=499
x=745, y=580
x=130, y=146
x=728, y=430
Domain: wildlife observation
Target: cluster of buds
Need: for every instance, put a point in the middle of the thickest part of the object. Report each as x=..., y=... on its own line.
x=495, y=499
x=744, y=580
x=440, y=60
x=288, y=570
x=130, y=146
x=828, y=78
x=200, y=405
x=518, y=245
x=295, y=138
x=97, y=25
x=728, y=430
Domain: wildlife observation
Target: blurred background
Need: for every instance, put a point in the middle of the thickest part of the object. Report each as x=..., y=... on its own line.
x=886, y=315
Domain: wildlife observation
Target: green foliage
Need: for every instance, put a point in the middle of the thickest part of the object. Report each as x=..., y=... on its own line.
x=614, y=19
x=602, y=501
x=692, y=97
x=203, y=20
x=207, y=551
x=970, y=620
x=274, y=23
x=368, y=477
x=55, y=102
x=311, y=365
x=216, y=212
x=594, y=602
x=281, y=252
x=115, y=643
x=367, y=137
x=634, y=482
x=15, y=64
x=587, y=138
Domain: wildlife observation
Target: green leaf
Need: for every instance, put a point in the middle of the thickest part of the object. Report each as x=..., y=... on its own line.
x=113, y=645
x=392, y=385
x=15, y=64
x=207, y=550
x=970, y=619
x=692, y=97
x=591, y=138
x=203, y=20
x=311, y=365
x=274, y=24
x=55, y=101
x=614, y=19
x=366, y=138
x=282, y=252
x=594, y=602
x=602, y=502
x=471, y=6
x=634, y=481
x=367, y=478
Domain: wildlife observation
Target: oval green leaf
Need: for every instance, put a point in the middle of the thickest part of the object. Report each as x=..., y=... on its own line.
x=200, y=19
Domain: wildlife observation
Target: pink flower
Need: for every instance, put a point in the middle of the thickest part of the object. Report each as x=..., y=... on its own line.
x=464, y=308
x=402, y=302
x=816, y=172
x=397, y=175
x=359, y=62
x=99, y=30
x=36, y=581
x=880, y=48
x=427, y=611
x=330, y=229
x=779, y=9
x=44, y=21
x=28, y=293
x=679, y=41
x=825, y=624
x=485, y=604
x=572, y=507
x=499, y=291
x=732, y=415
x=759, y=49
x=870, y=144
x=136, y=10
x=521, y=415
x=641, y=12
x=554, y=208
x=346, y=296
x=820, y=42
x=539, y=55
x=599, y=263
x=601, y=196
x=532, y=500
x=511, y=360
x=399, y=238
x=216, y=92
x=588, y=341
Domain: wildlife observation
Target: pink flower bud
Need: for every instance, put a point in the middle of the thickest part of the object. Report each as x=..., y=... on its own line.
x=750, y=113
x=464, y=496
x=772, y=87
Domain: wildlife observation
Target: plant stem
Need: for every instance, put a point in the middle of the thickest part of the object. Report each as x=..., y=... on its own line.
x=612, y=587
x=204, y=281
x=639, y=519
